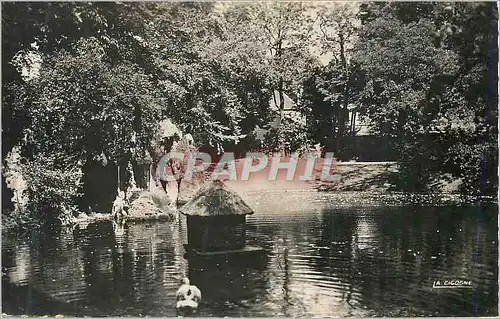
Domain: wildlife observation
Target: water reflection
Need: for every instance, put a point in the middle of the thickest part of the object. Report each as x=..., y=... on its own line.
x=324, y=261
x=228, y=289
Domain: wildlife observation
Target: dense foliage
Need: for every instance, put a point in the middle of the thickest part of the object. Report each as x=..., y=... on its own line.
x=89, y=82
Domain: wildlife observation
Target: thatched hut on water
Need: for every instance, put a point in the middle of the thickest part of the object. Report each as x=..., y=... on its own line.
x=216, y=219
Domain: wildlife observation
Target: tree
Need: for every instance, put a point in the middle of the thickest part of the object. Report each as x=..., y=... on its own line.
x=321, y=123
x=67, y=77
x=77, y=104
x=213, y=85
x=470, y=31
x=286, y=28
x=31, y=29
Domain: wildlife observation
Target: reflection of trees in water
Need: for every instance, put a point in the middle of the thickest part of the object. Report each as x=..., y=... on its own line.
x=381, y=257
x=56, y=276
x=320, y=280
x=392, y=255
x=100, y=263
x=293, y=290
x=125, y=270
x=40, y=261
x=485, y=256
x=270, y=288
x=338, y=234
x=179, y=237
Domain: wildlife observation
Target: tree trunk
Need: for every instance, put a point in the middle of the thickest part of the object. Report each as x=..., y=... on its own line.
x=281, y=106
x=353, y=124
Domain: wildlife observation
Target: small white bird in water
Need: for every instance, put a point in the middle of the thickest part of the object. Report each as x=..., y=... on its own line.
x=188, y=297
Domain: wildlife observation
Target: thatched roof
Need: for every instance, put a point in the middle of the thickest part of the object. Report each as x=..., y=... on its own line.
x=215, y=199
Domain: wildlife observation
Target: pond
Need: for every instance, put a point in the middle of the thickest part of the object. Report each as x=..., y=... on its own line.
x=322, y=259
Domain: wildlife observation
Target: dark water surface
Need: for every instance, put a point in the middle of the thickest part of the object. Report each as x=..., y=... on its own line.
x=323, y=259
